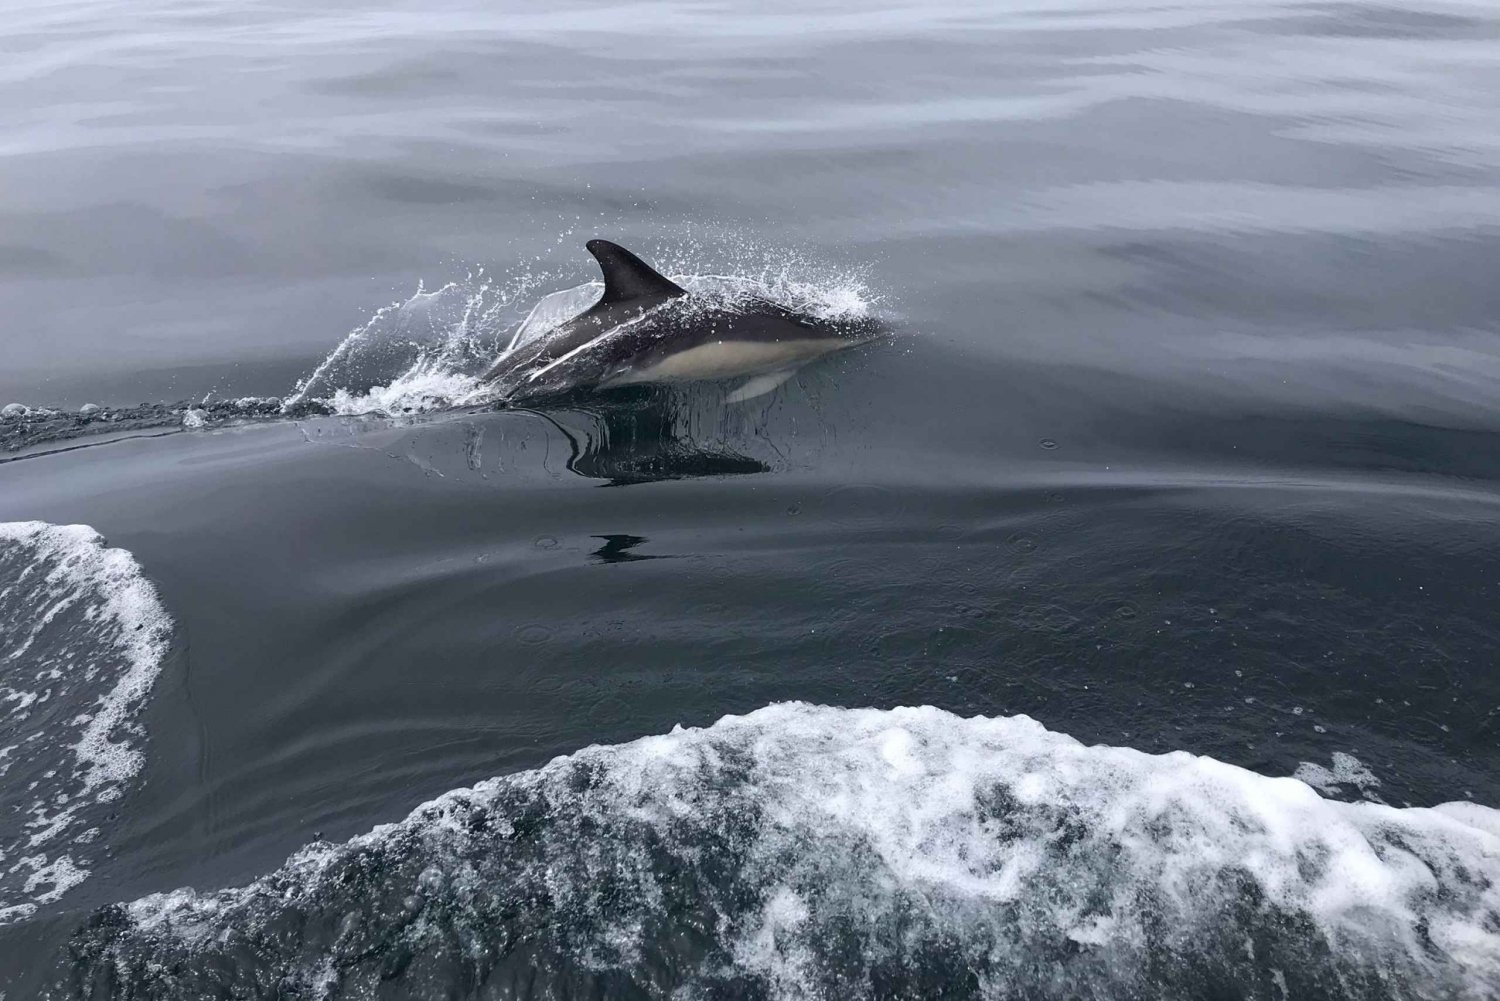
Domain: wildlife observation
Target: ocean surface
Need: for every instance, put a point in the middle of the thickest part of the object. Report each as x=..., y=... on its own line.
x=1124, y=624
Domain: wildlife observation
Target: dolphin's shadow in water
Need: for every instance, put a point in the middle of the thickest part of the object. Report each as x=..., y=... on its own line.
x=630, y=436
x=617, y=549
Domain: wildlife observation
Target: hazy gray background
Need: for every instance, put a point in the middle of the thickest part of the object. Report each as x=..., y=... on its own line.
x=205, y=196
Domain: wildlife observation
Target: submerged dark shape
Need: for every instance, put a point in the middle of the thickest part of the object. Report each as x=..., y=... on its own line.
x=634, y=441
x=639, y=333
x=617, y=549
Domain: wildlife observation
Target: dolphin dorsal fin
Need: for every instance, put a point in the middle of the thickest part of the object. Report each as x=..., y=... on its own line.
x=626, y=276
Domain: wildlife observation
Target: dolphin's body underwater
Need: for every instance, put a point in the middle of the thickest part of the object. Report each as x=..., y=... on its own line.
x=652, y=340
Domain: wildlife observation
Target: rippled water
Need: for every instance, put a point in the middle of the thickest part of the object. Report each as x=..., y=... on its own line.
x=1183, y=444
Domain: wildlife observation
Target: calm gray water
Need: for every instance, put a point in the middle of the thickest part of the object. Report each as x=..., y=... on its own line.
x=1183, y=445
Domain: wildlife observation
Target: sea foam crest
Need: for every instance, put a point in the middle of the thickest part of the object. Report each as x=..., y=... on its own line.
x=82, y=639
x=814, y=852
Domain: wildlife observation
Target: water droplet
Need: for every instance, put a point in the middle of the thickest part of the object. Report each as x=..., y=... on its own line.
x=546, y=542
x=1048, y=443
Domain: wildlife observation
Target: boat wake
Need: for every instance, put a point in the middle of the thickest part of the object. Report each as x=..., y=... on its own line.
x=815, y=852
x=82, y=639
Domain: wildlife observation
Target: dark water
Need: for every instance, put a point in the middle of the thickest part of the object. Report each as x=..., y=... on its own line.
x=1184, y=445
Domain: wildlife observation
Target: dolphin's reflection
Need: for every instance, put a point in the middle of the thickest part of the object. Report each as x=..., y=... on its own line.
x=634, y=436
x=617, y=549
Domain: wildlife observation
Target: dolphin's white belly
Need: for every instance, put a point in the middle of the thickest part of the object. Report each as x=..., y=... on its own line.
x=727, y=360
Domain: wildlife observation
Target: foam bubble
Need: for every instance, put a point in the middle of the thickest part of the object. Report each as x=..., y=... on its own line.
x=82, y=638
x=807, y=851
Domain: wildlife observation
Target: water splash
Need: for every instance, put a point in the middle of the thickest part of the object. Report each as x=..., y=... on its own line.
x=428, y=352
x=423, y=353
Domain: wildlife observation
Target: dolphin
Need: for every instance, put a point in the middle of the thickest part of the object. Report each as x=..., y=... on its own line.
x=646, y=329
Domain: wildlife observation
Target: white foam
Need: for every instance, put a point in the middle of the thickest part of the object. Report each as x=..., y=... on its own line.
x=994, y=838
x=51, y=878
x=1347, y=770
x=424, y=388
x=82, y=638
